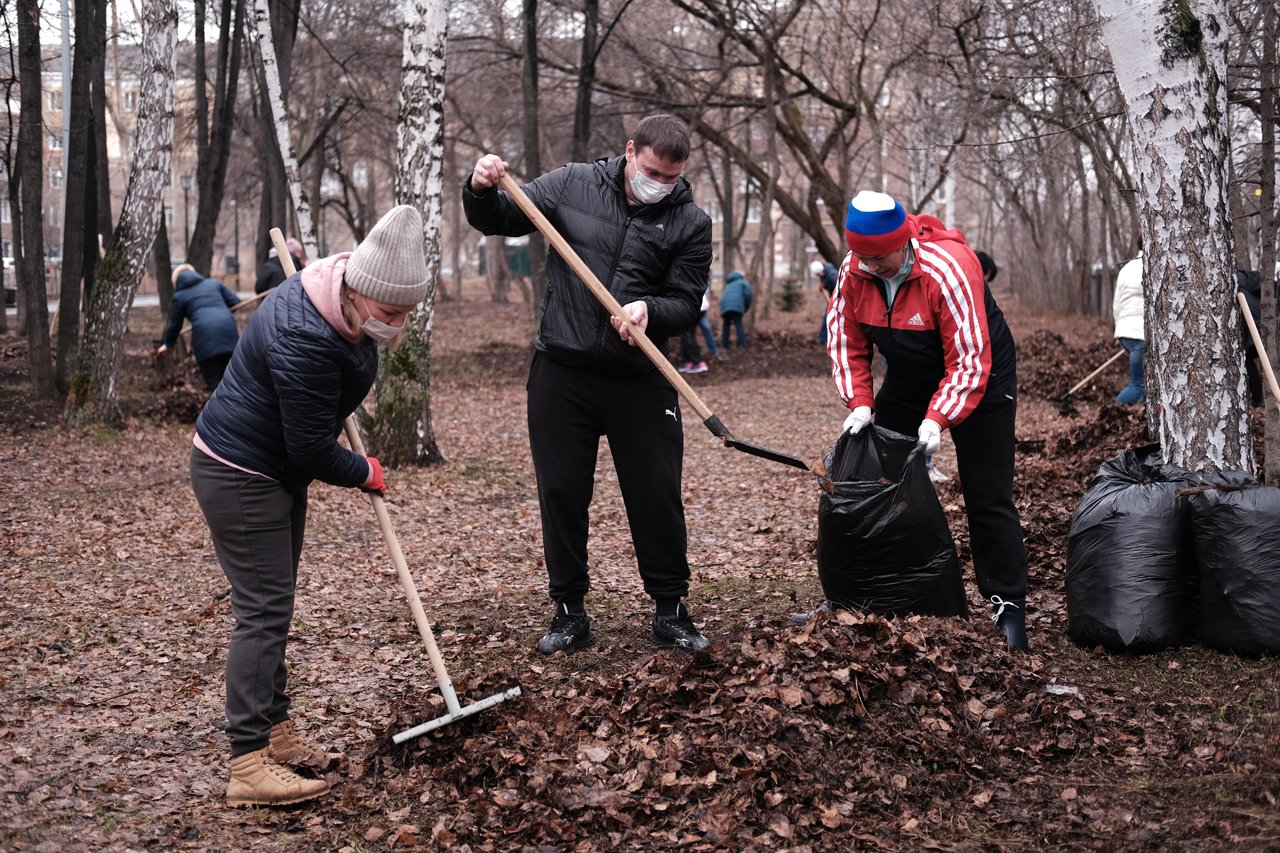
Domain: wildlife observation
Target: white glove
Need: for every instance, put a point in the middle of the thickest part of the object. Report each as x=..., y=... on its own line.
x=929, y=435
x=857, y=420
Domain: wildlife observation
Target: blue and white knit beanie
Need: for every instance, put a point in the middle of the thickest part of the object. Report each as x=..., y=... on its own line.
x=876, y=225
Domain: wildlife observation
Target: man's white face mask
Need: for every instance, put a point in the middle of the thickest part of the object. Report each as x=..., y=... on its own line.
x=648, y=191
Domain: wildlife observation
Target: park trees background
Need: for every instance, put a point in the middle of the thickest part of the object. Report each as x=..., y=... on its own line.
x=1004, y=118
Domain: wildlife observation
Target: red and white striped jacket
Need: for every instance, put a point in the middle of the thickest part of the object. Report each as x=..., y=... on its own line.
x=946, y=345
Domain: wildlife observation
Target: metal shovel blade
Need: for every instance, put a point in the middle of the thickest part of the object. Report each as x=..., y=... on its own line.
x=720, y=431
x=766, y=453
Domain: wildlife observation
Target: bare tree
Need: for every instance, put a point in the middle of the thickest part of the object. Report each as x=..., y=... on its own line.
x=81, y=151
x=1170, y=62
x=532, y=149
x=401, y=428
x=275, y=100
x=213, y=132
x=93, y=397
x=29, y=249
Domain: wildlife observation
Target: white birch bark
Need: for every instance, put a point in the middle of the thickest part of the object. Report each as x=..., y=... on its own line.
x=1171, y=62
x=93, y=397
x=275, y=97
x=401, y=427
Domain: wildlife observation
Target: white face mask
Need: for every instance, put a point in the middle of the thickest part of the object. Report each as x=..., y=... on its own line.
x=380, y=331
x=376, y=329
x=648, y=191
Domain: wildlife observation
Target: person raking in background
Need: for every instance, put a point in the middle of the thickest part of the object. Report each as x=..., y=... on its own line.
x=690, y=353
x=306, y=361
x=826, y=273
x=206, y=303
x=913, y=290
x=271, y=273
x=633, y=221
x=735, y=302
x=1127, y=307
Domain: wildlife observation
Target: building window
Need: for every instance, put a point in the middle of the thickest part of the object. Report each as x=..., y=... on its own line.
x=55, y=101
x=55, y=179
x=168, y=216
x=55, y=142
x=130, y=101
x=4, y=213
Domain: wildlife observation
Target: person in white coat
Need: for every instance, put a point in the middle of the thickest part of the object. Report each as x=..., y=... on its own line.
x=1127, y=311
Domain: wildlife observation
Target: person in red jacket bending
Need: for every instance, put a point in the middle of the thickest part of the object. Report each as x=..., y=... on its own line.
x=913, y=290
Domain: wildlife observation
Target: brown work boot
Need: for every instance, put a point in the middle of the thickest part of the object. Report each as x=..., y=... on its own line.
x=290, y=748
x=256, y=780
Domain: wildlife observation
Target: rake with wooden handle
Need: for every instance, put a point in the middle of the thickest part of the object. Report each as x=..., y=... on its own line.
x=456, y=711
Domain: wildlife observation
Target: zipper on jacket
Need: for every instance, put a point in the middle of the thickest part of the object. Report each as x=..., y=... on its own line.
x=613, y=268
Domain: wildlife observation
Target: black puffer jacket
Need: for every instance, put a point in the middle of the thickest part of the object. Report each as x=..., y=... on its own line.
x=291, y=382
x=660, y=253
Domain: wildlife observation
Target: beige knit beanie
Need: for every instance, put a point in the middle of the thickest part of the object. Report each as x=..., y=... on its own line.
x=390, y=265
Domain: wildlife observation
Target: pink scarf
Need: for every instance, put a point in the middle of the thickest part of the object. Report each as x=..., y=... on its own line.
x=322, y=281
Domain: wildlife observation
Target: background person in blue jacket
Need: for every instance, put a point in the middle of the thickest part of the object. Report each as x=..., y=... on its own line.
x=825, y=272
x=306, y=361
x=735, y=301
x=206, y=302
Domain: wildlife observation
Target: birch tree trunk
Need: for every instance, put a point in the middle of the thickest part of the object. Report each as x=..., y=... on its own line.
x=92, y=397
x=275, y=100
x=400, y=428
x=1171, y=62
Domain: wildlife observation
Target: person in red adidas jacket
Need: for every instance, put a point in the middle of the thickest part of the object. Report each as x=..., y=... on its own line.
x=911, y=289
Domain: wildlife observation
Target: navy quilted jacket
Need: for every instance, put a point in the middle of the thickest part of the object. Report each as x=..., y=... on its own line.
x=207, y=302
x=660, y=253
x=291, y=382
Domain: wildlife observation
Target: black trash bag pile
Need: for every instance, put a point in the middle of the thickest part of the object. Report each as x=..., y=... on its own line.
x=1131, y=570
x=883, y=541
x=1236, y=527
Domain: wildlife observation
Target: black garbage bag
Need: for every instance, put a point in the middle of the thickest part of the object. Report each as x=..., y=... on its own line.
x=1131, y=577
x=883, y=541
x=1236, y=527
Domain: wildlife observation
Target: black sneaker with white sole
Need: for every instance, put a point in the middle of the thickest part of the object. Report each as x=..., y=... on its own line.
x=568, y=633
x=677, y=631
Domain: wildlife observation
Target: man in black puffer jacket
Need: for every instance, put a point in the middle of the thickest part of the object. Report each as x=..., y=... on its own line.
x=633, y=221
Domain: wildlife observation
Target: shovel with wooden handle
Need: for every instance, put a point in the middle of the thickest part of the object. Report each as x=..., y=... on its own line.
x=709, y=419
x=455, y=710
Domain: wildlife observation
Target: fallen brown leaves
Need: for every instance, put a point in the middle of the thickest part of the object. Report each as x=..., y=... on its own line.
x=849, y=732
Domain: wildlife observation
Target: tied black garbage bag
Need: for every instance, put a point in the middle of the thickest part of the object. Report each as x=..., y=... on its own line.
x=1131, y=577
x=883, y=541
x=1237, y=542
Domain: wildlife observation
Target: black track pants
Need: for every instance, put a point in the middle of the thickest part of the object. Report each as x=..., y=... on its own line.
x=569, y=409
x=984, y=461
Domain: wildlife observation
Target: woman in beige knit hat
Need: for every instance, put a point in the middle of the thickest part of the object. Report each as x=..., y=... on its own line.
x=305, y=362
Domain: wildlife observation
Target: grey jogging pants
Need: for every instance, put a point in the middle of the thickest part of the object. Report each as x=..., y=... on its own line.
x=257, y=526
